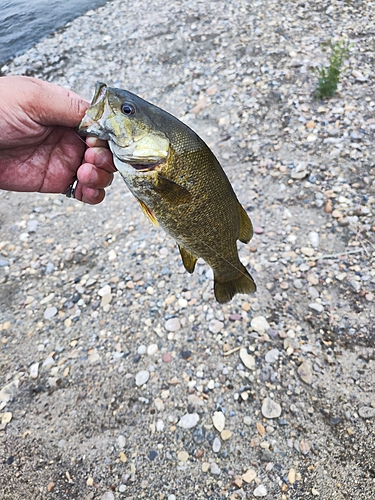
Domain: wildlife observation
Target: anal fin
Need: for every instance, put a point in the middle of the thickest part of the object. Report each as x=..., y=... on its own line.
x=188, y=259
x=148, y=213
x=246, y=227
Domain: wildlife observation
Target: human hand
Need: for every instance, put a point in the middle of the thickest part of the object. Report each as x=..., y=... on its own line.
x=39, y=149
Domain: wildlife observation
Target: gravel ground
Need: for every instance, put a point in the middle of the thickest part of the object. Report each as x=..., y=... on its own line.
x=120, y=376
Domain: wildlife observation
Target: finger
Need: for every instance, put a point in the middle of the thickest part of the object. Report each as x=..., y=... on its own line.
x=94, y=142
x=55, y=88
x=91, y=176
x=100, y=157
x=89, y=195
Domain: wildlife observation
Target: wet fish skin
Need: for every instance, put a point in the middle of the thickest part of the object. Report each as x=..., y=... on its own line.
x=178, y=182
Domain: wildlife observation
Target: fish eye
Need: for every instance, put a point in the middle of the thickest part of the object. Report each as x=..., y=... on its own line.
x=128, y=109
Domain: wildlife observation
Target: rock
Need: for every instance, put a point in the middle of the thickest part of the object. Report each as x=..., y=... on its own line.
x=215, y=469
x=50, y=312
x=249, y=475
x=142, y=377
x=4, y=263
x=272, y=356
x=366, y=412
x=121, y=441
x=6, y=418
x=305, y=372
x=152, y=349
x=216, y=445
x=316, y=307
x=108, y=496
x=259, y=324
x=314, y=238
x=247, y=359
x=172, y=325
x=188, y=421
x=8, y=392
x=271, y=409
x=309, y=252
x=218, y=420
x=215, y=326
x=226, y=434
x=260, y=491
x=33, y=370
x=93, y=357
x=183, y=456
x=105, y=290
x=292, y=476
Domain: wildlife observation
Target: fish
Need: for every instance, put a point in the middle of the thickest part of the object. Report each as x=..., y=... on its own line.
x=178, y=182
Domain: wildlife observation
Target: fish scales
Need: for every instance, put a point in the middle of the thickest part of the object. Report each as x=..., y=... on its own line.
x=178, y=182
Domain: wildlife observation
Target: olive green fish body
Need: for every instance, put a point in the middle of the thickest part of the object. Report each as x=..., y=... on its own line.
x=178, y=181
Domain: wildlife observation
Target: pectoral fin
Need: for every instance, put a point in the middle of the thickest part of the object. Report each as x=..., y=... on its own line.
x=189, y=260
x=171, y=191
x=150, y=215
x=246, y=228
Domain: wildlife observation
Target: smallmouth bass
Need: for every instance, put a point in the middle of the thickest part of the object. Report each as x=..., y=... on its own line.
x=177, y=181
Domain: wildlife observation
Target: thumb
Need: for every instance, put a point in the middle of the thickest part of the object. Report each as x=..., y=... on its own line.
x=52, y=108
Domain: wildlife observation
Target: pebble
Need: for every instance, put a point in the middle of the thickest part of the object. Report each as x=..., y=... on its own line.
x=215, y=469
x=6, y=418
x=183, y=456
x=215, y=326
x=121, y=441
x=218, y=420
x=249, y=475
x=108, y=496
x=316, y=307
x=152, y=349
x=188, y=421
x=50, y=312
x=272, y=356
x=259, y=324
x=247, y=359
x=260, y=491
x=216, y=445
x=105, y=290
x=366, y=412
x=226, y=434
x=50, y=486
x=270, y=409
x=172, y=325
x=33, y=370
x=142, y=349
x=142, y=377
x=305, y=372
x=292, y=476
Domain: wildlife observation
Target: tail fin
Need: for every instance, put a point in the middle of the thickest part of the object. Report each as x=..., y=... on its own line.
x=226, y=290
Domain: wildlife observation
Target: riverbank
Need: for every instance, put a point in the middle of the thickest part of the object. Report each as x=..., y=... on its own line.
x=92, y=299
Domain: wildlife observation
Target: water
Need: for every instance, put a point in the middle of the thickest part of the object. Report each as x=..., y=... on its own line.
x=25, y=22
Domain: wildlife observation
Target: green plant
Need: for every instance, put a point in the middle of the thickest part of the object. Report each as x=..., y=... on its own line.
x=328, y=78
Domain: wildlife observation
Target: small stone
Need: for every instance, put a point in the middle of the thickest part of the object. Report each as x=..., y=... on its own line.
x=188, y=421
x=50, y=487
x=366, y=412
x=48, y=362
x=299, y=175
x=105, y=290
x=259, y=324
x=226, y=434
x=142, y=377
x=3, y=263
x=270, y=409
x=249, y=475
x=8, y=392
x=314, y=238
x=215, y=469
x=183, y=456
x=309, y=252
x=315, y=492
x=292, y=476
x=305, y=372
x=93, y=358
x=121, y=441
x=142, y=349
x=108, y=496
x=33, y=370
x=316, y=307
x=6, y=417
x=90, y=481
x=247, y=359
x=304, y=447
x=112, y=255
x=216, y=445
x=272, y=356
x=50, y=312
x=167, y=357
x=215, y=326
x=172, y=325
x=106, y=299
x=260, y=491
x=123, y=457
x=218, y=420
x=152, y=349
